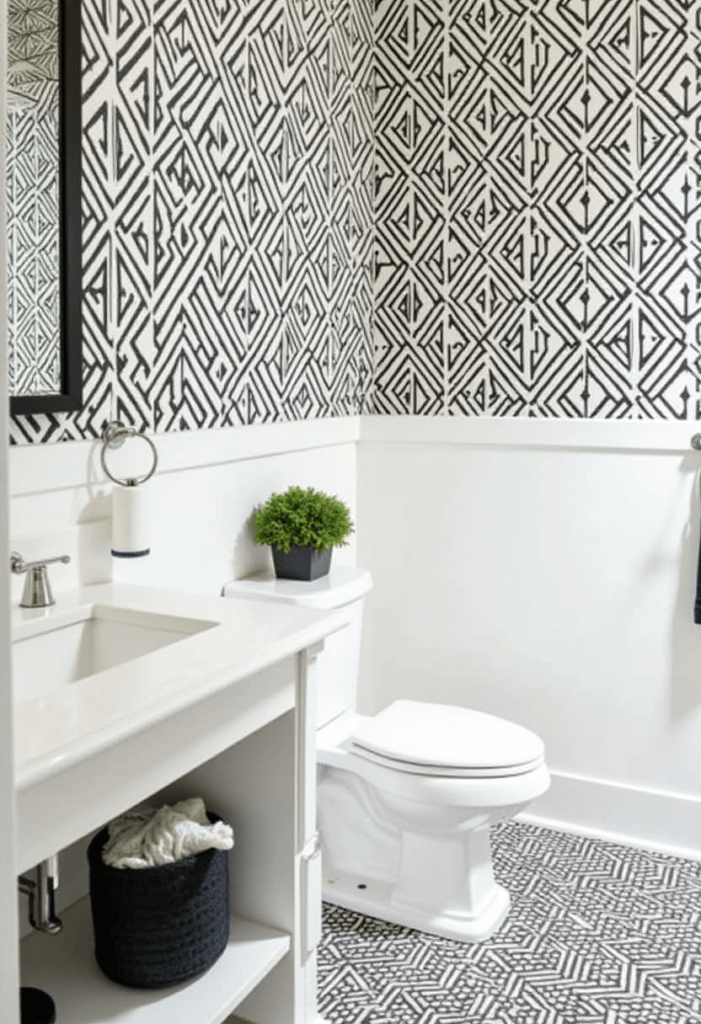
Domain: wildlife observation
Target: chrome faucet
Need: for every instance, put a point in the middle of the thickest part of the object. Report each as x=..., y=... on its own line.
x=37, y=589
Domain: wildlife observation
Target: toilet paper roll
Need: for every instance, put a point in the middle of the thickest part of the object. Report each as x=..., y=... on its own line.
x=130, y=522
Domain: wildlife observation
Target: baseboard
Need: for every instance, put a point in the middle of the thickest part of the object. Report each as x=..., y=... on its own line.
x=239, y=1020
x=666, y=822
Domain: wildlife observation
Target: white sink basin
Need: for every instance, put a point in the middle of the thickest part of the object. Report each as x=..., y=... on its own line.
x=52, y=652
x=120, y=690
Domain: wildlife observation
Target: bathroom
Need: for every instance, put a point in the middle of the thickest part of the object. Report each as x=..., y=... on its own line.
x=518, y=459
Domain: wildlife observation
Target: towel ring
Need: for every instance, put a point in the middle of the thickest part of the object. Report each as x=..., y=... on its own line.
x=113, y=436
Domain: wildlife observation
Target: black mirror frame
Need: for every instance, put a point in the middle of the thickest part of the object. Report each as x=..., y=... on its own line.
x=70, y=397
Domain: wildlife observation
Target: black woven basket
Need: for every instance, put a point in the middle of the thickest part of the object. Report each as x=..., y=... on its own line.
x=158, y=926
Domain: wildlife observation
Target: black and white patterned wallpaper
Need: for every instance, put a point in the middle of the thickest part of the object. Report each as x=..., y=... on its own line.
x=227, y=204
x=538, y=229
x=535, y=193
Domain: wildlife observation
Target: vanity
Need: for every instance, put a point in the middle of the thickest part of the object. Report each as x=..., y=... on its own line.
x=124, y=694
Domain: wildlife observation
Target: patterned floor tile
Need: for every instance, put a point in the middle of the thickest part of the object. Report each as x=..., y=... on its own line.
x=598, y=934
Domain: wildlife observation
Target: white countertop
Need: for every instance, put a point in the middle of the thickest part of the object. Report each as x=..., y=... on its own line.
x=242, y=637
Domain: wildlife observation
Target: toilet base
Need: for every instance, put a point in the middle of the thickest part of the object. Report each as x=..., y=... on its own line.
x=374, y=862
x=374, y=898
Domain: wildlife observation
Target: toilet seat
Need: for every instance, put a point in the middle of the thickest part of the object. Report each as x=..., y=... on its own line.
x=440, y=739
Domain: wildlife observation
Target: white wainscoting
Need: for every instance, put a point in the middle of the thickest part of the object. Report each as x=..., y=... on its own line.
x=200, y=501
x=539, y=570
x=544, y=571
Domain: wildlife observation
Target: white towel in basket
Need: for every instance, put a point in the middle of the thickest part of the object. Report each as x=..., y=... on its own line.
x=148, y=836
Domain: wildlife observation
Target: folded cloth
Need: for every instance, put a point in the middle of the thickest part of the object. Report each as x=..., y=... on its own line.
x=697, y=600
x=148, y=836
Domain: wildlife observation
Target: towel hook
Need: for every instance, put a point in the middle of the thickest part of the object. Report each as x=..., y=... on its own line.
x=113, y=436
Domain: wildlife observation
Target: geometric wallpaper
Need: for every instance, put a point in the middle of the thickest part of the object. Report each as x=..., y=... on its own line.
x=32, y=197
x=538, y=208
x=227, y=205
x=440, y=207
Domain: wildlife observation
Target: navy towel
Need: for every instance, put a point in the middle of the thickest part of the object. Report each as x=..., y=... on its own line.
x=697, y=601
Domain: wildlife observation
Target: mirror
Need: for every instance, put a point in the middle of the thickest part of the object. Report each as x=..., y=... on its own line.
x=43, y=152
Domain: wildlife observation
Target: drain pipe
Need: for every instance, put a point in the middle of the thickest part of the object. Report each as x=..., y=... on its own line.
x=42, y=914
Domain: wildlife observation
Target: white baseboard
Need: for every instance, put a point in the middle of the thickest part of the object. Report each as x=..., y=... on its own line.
x=634, y=816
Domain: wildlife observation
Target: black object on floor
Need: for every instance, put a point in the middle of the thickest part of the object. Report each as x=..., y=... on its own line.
x=36, y=1006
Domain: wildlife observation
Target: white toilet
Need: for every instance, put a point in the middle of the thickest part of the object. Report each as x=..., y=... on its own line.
x=406, y=797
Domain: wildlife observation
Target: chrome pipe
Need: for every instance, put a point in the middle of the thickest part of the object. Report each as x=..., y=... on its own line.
x=41, y=894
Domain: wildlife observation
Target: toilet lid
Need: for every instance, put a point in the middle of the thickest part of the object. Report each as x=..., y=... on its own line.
x=443, y=739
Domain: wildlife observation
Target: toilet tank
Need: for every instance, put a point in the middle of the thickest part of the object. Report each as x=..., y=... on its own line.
x=339, y=662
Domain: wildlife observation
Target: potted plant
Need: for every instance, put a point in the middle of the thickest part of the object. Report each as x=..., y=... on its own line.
x=302, y=526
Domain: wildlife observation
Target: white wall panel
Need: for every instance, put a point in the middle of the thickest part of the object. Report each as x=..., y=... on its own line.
x=551, y=585
x=201, y=501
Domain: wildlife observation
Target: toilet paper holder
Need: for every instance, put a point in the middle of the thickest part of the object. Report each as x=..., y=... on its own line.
x=113, y=436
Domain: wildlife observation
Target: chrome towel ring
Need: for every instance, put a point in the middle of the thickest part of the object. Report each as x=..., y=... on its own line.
x=113, y=436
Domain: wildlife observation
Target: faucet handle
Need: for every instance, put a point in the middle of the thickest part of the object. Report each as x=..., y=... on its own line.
x=37, y=589
x=18, y=564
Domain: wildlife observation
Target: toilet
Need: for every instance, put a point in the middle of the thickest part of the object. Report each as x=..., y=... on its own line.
x=406, y=797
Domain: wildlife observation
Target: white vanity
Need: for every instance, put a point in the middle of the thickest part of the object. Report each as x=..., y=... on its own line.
x=124, y=694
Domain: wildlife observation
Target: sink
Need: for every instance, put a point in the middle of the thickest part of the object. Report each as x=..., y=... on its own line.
x=125, y=694
x=120, y=690
x=52, y=652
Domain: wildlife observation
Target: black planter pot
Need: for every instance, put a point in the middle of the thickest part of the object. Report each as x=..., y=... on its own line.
x=301, y=563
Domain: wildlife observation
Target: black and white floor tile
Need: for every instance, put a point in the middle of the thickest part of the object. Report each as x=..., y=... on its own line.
x=598, y=934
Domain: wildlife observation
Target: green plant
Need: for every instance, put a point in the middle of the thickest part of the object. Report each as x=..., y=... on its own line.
x=303, y=517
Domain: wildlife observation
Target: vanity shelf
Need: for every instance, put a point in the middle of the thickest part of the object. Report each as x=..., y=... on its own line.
x=226, y=714
x=64, y=966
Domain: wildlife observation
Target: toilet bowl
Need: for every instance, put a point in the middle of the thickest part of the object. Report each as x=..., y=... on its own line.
x=406, y=797
x=419, y=807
